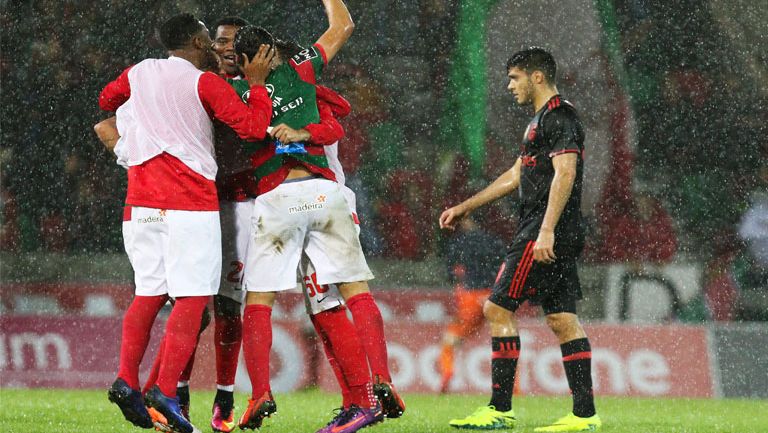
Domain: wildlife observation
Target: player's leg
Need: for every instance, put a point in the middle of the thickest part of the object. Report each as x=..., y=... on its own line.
x=272, y=260
x=235, y=232
x=560, y=310
x=498, y=310
x=350, y=272
x=193, y=266
x=343, y=350
x=182, y=387
x=143, y=244
x=227, y=342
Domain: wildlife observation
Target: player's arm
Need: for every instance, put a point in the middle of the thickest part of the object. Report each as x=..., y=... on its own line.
x=116, y=92
x=340, y=28
x=107, y=132
x=503, y=185
x=327, y=132
x=559, y=192
x=219, y=99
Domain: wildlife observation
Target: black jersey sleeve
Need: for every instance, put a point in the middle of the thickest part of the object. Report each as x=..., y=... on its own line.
x=563, y=131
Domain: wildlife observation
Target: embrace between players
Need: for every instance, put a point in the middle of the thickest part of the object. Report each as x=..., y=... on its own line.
x=275, y=203
x=244, y=160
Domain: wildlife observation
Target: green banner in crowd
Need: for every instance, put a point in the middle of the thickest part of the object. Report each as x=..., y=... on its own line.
x=464, y=118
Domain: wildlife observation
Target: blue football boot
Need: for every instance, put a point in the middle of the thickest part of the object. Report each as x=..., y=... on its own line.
x=170, y=409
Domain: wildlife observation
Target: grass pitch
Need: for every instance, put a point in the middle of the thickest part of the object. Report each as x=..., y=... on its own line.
x=60, y=411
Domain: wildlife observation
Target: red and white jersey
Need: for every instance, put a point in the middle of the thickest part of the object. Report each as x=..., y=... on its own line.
x=165, y=114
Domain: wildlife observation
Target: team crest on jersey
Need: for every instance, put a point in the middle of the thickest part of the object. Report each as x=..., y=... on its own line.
x=270, y=89
x=304, y=55
x=530, y=133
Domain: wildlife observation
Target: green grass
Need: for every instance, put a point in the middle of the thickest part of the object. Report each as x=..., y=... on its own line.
x=59, y=411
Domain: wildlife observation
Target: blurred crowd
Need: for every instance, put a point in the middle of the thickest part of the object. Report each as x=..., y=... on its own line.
x=696, y=185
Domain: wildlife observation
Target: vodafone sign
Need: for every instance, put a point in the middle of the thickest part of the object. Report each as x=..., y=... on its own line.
x=627, y=360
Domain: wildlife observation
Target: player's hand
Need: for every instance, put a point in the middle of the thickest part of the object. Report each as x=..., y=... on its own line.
x=257, y=70
x=544, y=248
x=451, y=216
x=286, y=134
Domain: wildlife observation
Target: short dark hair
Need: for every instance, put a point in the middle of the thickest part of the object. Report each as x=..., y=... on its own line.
x=177, y=31
x=287, y=48
x=249, y=38
x=535, y=59
x=231, y=20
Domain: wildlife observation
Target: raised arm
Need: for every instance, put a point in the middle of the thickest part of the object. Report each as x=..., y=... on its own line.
x=503, y=185
x=106, y=130
x=340, y=27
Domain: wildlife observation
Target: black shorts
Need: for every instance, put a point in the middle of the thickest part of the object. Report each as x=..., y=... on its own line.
x=554, y=286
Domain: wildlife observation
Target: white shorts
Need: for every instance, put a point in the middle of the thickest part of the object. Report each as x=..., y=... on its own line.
x=323, y=297
x=235, y=232
x=173, y=252
x=307, y=216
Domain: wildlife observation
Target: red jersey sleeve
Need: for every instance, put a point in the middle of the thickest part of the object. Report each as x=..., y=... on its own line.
x=329, y=130
x=221, y=102
x=340, y=106
x=116, y=92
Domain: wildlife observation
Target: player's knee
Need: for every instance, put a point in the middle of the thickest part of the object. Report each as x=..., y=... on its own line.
x=349, y=290
x=225, y=307
x=496, y=314
x=260, y=298
x=563, y=324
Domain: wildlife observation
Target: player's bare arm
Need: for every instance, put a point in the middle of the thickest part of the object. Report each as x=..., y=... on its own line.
x=257, y=70
x=559, y=192
x=340, y=27
x=286, y=134
x=106, y=130
x=503, y=185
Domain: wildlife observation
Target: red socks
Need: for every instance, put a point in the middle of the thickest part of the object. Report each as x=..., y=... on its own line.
x=137, y=325
x=370, y=329
x=155, y=371
x=257, y=342
x=227, y=339
x=181, y=333
x=346, y=355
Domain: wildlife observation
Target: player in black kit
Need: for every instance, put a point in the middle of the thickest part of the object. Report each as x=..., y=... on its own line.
x=540, y=266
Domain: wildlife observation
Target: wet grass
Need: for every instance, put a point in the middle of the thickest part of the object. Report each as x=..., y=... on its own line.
x=60, y=411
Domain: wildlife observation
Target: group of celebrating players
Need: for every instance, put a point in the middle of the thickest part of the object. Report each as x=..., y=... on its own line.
x=211, y=183
x=235, y=191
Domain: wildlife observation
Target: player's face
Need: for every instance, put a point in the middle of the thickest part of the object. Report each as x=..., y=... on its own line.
x=211, y=59
x=520, y=85
x=224, y=45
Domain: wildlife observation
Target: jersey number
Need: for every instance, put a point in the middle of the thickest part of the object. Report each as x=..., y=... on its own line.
x=236, y=274
x=312, y=287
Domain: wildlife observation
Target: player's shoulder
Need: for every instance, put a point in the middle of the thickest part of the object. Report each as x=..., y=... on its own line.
x=306, y=55
x=560, y=111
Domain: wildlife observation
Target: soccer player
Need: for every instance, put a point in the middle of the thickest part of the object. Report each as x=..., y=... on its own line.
x=299, y=203
x=541, y=263
x=237, y=187
x=171, y=220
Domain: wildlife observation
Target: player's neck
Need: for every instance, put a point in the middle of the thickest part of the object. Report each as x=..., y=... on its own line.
x=189, y=55
x=541, y=97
